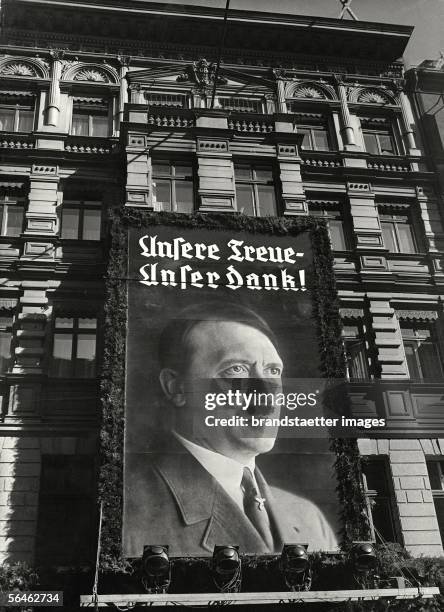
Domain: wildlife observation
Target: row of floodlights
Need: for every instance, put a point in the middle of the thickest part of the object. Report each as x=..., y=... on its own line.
x=226, y=566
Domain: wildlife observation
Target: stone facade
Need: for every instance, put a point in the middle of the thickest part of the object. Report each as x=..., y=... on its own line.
x=89, y=114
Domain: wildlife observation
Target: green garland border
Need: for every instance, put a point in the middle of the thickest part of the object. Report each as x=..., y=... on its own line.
x=350, y=493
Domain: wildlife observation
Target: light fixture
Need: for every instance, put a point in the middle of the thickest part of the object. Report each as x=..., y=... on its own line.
x=226, y=566
x=295, y=567
x=156, y=568
x=364, y=561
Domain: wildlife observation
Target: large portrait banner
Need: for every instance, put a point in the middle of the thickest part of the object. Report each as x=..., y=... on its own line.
x=232, y=350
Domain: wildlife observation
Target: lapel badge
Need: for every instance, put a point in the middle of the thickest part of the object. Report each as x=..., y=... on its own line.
x=260, y=502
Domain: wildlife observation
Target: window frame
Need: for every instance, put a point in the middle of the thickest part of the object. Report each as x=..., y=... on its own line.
x=358, y=323
x=81, y=206
x=258, y=102
x=17, y=107
x=437, y=493
x=254, y=183
x=91, y=110
x=388, y=497
x=388, y=215
x=5, y=202
x=310, y=129
x=172, y=179
x=9, y=329
x=381, y=126
x=74, y=332
x=332, y=211
x=416, y=340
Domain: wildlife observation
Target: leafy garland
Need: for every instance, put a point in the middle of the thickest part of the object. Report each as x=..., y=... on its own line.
x=350, y=492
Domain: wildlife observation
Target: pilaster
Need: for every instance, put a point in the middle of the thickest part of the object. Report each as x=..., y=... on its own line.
x=138, y=167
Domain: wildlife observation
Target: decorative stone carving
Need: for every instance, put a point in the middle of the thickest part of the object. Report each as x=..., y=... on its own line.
x=309, y=91
x=201, y=73
x=370, y=96
x=91, y=74
x=18, y=69
x=417, y=315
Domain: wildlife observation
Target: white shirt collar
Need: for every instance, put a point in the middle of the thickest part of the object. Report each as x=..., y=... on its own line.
x=228, y=472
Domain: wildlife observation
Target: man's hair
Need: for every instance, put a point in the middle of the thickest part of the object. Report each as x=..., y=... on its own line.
x=173, y=343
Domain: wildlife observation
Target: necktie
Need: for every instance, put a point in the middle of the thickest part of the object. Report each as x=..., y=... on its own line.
x=254, y=507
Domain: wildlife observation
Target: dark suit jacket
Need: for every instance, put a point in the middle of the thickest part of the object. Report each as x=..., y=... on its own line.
x=171, y=499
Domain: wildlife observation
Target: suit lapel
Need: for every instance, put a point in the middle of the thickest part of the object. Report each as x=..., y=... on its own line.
x=200, y=498
x=278, y=524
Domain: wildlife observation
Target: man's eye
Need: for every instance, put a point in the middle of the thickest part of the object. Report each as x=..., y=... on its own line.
x=274, y=371
x=235, y=370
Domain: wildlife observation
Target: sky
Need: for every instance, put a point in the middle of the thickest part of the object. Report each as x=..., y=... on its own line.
x=426, y=15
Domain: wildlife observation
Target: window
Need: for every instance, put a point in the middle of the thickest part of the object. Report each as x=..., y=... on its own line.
x=379, y=493
x=436, y=474
x=12, y=216
x=67, y=497
x=6, y=321
x=81, y=220
x=355, y=351
x=421, y=351
x=74, y=347
x=315, y=137
x=335, y=224
x=90, y=120
x=378, y=136
x=255, y=191
x=241, y=105
x=16, y=115
x=397, y=231
x=172, y=185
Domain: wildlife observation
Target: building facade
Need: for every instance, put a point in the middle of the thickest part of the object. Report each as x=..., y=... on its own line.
x=104, y=105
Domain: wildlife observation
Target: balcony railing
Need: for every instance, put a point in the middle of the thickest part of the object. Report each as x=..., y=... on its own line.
x=90, y=145
x=10, y=140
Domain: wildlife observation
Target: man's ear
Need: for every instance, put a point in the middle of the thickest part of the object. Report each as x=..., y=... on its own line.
x=172, y=386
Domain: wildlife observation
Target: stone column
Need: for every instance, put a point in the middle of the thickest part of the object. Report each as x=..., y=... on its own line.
x=53, y=107
x=347, y=131
x=280, y=91
x=407, y=121
x=124, y=62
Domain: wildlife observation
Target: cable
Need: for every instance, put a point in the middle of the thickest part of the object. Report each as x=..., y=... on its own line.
x=219, y=54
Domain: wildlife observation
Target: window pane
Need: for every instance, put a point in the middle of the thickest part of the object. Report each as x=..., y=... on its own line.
x=267, y=201
x=337, y=236
x=321, y=140
x=5, y=350
x=64, y=323
x=412, y=360
x=91, y=224
x=434, y=475
x=264, y=174
x=183, y=170
x=244, y=198
x=357, y=360
x=14, y=220
x=161, y=169
x=70, y=223
x=439, y=508
x=242, y=172
x=184, y=197
x=406, y=240
x=389, y=238
x=161, y=194
x=80, y=125
x=86, y=355
x=370, y=142
x=7, y=119
x=90, y=323
x=100, y=125
x=26, y=121
x=306, y=140
x=429, y=360
x=62, y=355
x=386, y=144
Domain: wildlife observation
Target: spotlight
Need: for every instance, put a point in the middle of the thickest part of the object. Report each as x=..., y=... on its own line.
x=295, y=567
x=364, y=561
x=227, y=569
x=156, y=569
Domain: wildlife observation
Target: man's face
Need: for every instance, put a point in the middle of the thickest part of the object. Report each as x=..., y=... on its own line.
x=220, y=351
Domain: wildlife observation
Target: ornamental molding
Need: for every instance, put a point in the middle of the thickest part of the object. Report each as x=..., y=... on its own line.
x=24, y=68
x=370, y=95
x=417, y=315
x=92, y=73
x=202, y=74
x=351, y=313
x=309, y=90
